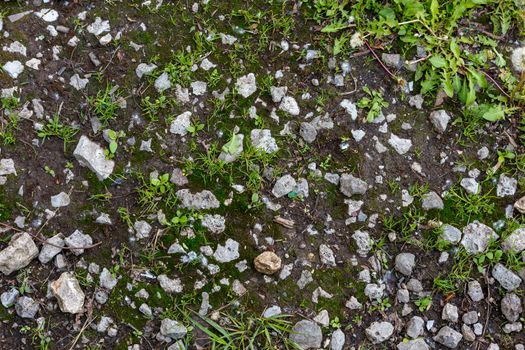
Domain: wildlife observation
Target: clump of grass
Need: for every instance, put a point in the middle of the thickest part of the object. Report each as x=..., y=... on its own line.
x=105, y=104
x=55, y=128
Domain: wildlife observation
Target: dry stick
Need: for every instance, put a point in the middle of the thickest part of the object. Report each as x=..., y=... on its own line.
x=496, y=84
x=45, y=241
x=380, y=62
x=88, y=321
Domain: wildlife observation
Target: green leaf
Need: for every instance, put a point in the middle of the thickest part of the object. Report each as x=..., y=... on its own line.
x=434, y=9
x=113, y=147
x=334, y=27
x=492, y=113
x=112, y=134
x=234, y=145
x=438, y=61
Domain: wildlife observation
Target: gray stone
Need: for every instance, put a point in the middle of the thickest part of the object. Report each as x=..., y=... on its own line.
x=179, y=126
x=415, y=327
x=48, y=251
x=450, y=313
x=172, y=329
x=440, y=120
x=350, y=108
x=401, y=146
x=308, y=132
x=416, y=344
x=506, y=186
x=374, y=291
x=278, y=93
x=289, y=105
x=379, y=332
x=18, y=254
x=77, y=240
x=468, y=333
x=98, y=27
x=91, y=155
x=450, y=234
x=470, y=185
x=327, y=255
x=431, y=201
x=508, y=279
x=392, y=60
x=145, y=69
x=77, y=82
x=307, y=334
x=363, y=241
x=284, y=185
x=246, y=85
x=350, y=185
x=7, y=167
x=470, y=317
x=403, y=296
x=26, y=307
x=199, y=88
x=69, y=295
x=170, y=285
x=475, y=291
x=214, y=223
x=198, y=201
x=405, y=263
x=338, y=340
x=262, y=139
x=8, y=298
x=162, y=83
x=13, y=68
x=515, y=242
x=511, y=307
x=476, y=237
x=60, y=200
x=142, y=229
x=416, y=101
x=107, y=280
x=228, y=252
x=448, y=337
x=272, y=311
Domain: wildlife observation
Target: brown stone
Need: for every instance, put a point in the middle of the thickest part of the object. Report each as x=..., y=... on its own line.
x=267, y=263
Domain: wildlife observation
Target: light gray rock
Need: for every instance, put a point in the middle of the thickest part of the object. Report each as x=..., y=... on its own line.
x=350, y=185
x=145, y=69
x=49, y=251
x=262, y=139
x=170, y=285
x=392, y=60
x=227, y=252
x=403, y=296
x=450, y=234
x=448, y=337
x=415, y=327
x=107, y=280
x=60, y=200
x=246, y=85
x=440, y=120
x=363, y=241
x=198, y=201
x=172, y=329
x=338, y=340
x=278, y=93
x=26, y=307
x=284, y=185
x=401, y=146
x=450, y=313
x=470, y=185
x=199, y=88
x=511, y=307
x=308, y=132
x=18, y=254
x=508, y=279
x=77, y=82
x=307, y=334
x=476, y=237
x=142, y=229
x=327, y=255
x=515, y=242
x=350, y=108
x=162, y=83
x=470, y=317
x=432, y=200
x=416, y=101
x=405, y=263
x=179, y=126
x=7, y=167
x=13, y=68
x=77, y=240
x=98, y=27
x=416, y=344
x=68, y=293
x=475, y=291
x=8, y=298
x=214, y=223
x=506, y=186
x=91, y=155
x=290, y=106
x=374, y=291
x=468, y=333
x=272, y=311
x=379, y=332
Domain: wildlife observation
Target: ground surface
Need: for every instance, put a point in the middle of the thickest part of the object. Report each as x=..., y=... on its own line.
x=371, y=150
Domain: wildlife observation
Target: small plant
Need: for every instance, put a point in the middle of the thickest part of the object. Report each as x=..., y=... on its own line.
x=374, y=102
x=105, y=104
x=113, y=144
x=55, y=128
x=490, y=257
x=38, y=335
x=424, y=303
x=195, y=127
x=151, y=109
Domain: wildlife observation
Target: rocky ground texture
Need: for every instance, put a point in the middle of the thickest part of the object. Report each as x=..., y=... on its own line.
x=313, y=174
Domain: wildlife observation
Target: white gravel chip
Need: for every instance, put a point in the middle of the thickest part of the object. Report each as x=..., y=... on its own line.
x=91, y=155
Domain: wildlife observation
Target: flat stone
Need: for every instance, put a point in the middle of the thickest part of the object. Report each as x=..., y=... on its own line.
x=440, y=120
x=416, y=344
x=91, y=155
x=49, y=251
x=60, y=200
x=246, y=85
x=401, y=146
x=284, y=185
x=515, y=242
x=405, y=263
x=267, y=263
x=350, y=185
x=476, y=237
x=379, y=332
x=307, y=334
x=69, y=295
x=262, y=139
x=290, y=106
x=13, y=68
x=18, y=254
x=228, y=252
x=26, y=307
x=197, y=201
x=172, y=329
x=508, y=279
x=179, y=126
x=448, y=337
x=431, y=201
x=77, y=240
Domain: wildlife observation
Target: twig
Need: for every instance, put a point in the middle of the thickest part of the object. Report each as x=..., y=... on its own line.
x=86, y=324
x=496, y=84
x=380, y=62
